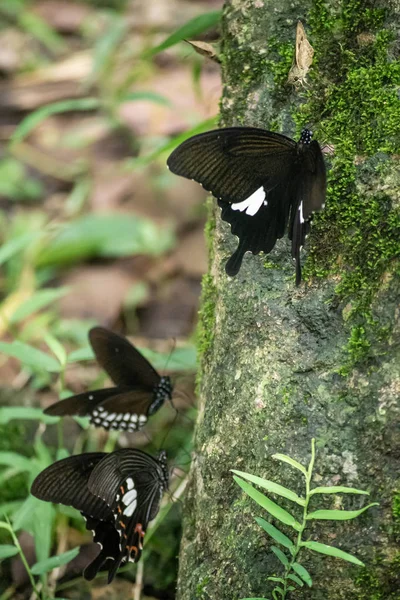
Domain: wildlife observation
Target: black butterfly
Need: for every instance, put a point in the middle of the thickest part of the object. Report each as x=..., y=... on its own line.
x=117, y=493
x=139, y=393
x=264, y=183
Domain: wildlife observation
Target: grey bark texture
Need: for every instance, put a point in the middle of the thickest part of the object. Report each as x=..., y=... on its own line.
x=281, y=365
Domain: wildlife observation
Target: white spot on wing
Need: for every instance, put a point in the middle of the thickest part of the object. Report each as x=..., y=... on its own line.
x=129, y=483
x=252, y=204
x=111, y=417
x=129, y=499
x=301, y=212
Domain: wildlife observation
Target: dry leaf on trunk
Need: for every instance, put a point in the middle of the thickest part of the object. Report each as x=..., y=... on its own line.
x=303, y=59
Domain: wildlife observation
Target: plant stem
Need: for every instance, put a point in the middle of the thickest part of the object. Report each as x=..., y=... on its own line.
x=23, y=559
x=297, y=548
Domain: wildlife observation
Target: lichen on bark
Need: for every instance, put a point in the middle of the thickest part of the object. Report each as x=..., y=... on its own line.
x=281, y=365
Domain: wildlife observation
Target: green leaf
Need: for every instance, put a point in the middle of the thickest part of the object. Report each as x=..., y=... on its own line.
x=30, y=357
x=331, y=551
x=22, y=413
x=295, y=579
x=149, y=96
x=338, y=515
x=271, y=487
x=36, y=302
x=106, y=235
x=42, y=528
x=274, y=509
x=171, y=144
x=56, y=348
x=81, y=354
x=303, y=573
x=17, y=244
x=280, y=555
x=35, y=118
x=17, y=461
x=190, y=30
x=53, y=562
x=290, y=461
x=36, y=27
x=279, y=590
x=9, y=508
x=337, y=490
x=277, y=535
x=7, y=550
x=276, y=579
x=24, y=516
x=106, y=46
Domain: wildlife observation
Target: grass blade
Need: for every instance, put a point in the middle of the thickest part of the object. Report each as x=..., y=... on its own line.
x=35, y=118
x=36, y=302
x=338, y=515
x=331, y=551
x=24, y=413
x=274, y=509
x=190, y=30
x=30, y=357
x=277, y=535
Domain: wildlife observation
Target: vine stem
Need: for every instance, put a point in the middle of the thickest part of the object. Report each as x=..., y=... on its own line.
x=297, y=548
x=22, y=555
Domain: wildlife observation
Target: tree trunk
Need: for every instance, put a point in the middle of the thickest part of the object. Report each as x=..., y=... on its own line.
x=281, y=365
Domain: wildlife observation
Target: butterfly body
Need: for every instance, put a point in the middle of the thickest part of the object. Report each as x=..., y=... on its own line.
x=138, y=393
x=264, y=182
x=118, y=494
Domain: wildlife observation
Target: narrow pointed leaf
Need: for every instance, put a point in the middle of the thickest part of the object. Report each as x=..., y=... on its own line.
x=303, y=573
x=36, y=117
x=277, y=535
x=191, y=29
x=30, y=357
x=331, y=551
x=276, y=579
x=290, y=461
x=338, y=515
x=7, y=550
x=27, y=413
x=271, y=487
x=280, y=555
x=295, y=579
x=274, y=509
x=279, y=590
x=36, y=302
x=337, y=489
x=54, y=561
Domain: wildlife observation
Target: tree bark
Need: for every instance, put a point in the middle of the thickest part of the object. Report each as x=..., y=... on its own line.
x=281, y=365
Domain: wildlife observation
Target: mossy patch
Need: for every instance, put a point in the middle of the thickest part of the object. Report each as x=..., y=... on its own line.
x=353, y=103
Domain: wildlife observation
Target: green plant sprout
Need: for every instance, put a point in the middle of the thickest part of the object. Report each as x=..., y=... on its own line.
x=294, y=571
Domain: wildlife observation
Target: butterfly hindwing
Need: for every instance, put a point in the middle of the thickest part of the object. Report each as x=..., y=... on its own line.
x=107, y=537
x=131, y=482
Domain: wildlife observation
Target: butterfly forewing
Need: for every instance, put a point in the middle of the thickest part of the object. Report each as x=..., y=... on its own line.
x=123, y=363
x=233, y=163
x=66, y=482
x=81, y=404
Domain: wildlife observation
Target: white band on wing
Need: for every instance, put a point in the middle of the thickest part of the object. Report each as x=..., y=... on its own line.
x=252, y=204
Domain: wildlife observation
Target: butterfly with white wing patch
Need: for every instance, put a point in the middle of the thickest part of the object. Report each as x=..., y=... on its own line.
x=264, y=182
x=140, y=391
x=118, y=494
